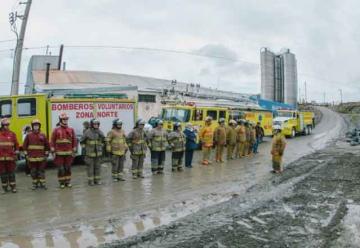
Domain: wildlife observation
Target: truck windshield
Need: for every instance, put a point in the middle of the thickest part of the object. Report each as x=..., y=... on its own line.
x=172, y=114
x=285, y=114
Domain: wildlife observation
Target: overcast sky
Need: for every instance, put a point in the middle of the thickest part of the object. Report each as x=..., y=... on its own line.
x=324, y=35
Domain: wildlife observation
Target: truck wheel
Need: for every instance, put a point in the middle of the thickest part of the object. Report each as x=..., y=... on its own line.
x=293, y=133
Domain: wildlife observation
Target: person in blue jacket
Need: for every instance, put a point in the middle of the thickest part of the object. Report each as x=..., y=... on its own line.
x=191, y=144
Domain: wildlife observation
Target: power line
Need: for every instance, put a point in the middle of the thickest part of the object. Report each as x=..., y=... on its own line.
x=161, y=50
x=3, y=41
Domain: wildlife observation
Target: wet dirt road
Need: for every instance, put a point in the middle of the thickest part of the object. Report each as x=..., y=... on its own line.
x=89, y=216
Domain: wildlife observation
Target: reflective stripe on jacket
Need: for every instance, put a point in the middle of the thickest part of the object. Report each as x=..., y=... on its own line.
x=177, y=141
x=9, y=145
x=116, y=142
x=63, y=141
x=136, y=142
x=157, y=139
x=94, y=140
x=36, y=146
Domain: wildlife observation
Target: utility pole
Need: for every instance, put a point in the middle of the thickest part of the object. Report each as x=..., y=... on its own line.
x=19, y=48
x=305, y=93
x=341, y=96
x=324, y=97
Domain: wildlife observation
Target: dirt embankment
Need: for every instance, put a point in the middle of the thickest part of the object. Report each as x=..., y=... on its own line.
x=311, y=205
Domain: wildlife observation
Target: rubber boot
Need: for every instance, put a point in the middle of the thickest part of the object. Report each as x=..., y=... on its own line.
x=5, y=189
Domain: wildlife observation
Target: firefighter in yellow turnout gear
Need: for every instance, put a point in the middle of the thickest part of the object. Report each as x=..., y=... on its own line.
x=177, y=142
x=277, y=150
x=240, y=138
x=157, y=142
x=94, y=140
x=116, y=146
x=137, y=145
x=207, y=140
x=220, y=140
x=231, y=139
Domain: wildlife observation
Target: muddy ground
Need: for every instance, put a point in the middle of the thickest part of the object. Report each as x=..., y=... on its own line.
x=314, y=203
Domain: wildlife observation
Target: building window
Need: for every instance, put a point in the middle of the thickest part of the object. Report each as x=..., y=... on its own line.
x=147, y=98
x=26, y=107
x=5, y=109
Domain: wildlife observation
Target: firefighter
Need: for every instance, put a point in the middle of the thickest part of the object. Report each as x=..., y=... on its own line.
x=63, y=147
x=231, y=139
x=220, y=140
x=116, y=146
x=157, y=142
x=206, y=137
x=36, y=149
x=177, y=142
x=9, y=150
x=277, y=151
x=248, y=139
x=93, y=139
x=137, y=146
x=240, y=138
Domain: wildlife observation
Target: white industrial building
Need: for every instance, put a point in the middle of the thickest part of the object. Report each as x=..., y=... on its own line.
x=46, y=76
x=279, y=76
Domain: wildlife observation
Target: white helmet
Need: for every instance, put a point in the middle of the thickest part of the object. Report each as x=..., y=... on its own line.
x=277, y=127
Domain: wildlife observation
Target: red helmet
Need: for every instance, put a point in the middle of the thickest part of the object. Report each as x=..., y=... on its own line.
x=63, y=116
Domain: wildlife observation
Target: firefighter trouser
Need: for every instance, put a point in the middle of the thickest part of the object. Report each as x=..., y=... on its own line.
x=177, y=159
x=93, y=168
x=7, y=174
x=64, y=168
x=277, y=162
x=117, y=166
x=37, y=171
x=137, y=164
x=251, y=147
x=157, y=160
x=206, y=151
x=219, y=152
x=230, y=151
x=242, y=148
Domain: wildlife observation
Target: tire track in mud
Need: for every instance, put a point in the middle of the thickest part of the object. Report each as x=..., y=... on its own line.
x=302, y=208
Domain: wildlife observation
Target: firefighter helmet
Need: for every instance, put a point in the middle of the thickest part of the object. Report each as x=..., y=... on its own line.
x=117, y=122
x=5, y=122
x=63, y=116
x=140, y=122
x=208, y=118
x=94, y=121
x=35, y=122
x=277, y=127
x=222, y=120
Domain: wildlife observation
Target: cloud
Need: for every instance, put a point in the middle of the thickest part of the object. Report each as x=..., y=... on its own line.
x=324, y=35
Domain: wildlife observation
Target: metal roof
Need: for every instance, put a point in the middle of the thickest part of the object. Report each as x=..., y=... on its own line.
x=59, y=79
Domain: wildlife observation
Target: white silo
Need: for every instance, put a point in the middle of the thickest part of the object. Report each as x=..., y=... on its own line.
x=290, y=78
x=267, y=63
